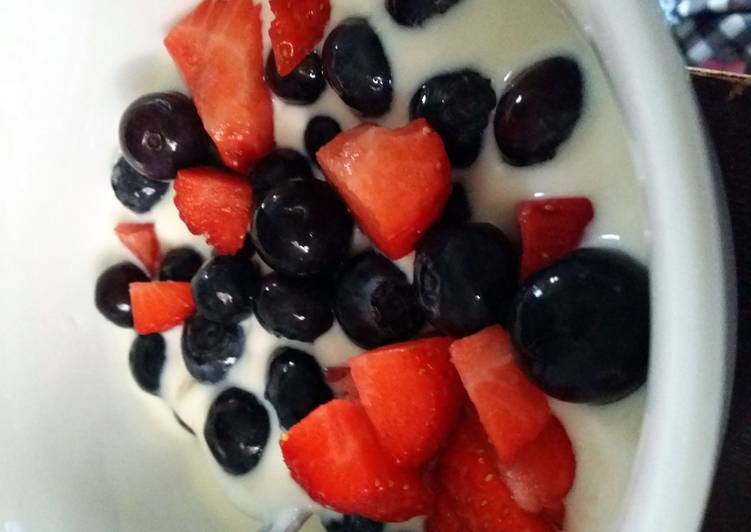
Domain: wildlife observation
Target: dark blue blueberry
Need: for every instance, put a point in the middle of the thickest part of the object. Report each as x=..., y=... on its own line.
x=161, y=133
x=457, y=209
x=465, y=276
x=458, y=106
x=294, y=308
x=224, y=289
x=357, y=68
x=539, y=111
x=302, y=228
x=247, y=252
x=237, y=431
x=147, y=356
x=415, y=12
x=353, y=523
x=277, y=167
x=210, y=348
x=302, y=86
x=581, y=326
x=180, y=264
x=111, y=293
x=183, y=424
x=137, y=192
x=320, y=131
x=296, y=385
x=375, y=303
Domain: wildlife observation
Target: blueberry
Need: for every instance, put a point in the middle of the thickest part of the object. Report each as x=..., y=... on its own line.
x=301, y=86
x=294, y=308
x=353, y=523
x=302, y=228
x=111, y=293
x=296, y=385
x=210, y=348
x=277, y=167
x=458, y=106
x=375, y=303
x=247, y=252
x=465, y=276
x=224, y=289
x=581, y=326
x=183, y=424
x=147, y=361
x=137, y=192
x=415, y=12
x=320, y=131
x=539, y=111
x=237, y=430
x=356, y=67
x=180, y=264
x=457, y=209
x=161, y=133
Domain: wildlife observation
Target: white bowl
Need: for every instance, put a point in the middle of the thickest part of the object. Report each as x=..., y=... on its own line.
x=76, y=455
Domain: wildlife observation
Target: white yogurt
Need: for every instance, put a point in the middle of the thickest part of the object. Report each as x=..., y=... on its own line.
x=497, y=38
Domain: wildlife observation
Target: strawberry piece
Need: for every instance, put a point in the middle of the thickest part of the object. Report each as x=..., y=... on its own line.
x=160, y=305
x=215, y=204
x=395, y=181
x=445, y=516
x=219, y=51
x=550, y=228
x=296, y=29
x=340, y=381
x=334, y=454
x=511, y=408
x=555, y=515
x=543, y=472
x=412, y=395
x=468, y=473
x=141, y=240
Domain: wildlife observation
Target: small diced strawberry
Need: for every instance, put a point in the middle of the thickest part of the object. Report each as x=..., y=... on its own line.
x=141, y=240
x=296, y=29
x=340, y=381
x=512, y=409
x=395, y=181
x=555, y=515
x=445, y=517
x=334, y=454
x=550, y=228
x=215, y=204
x=160, y=305
x=412, y=395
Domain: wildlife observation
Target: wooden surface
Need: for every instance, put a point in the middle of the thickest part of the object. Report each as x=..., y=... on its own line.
x=726, y=103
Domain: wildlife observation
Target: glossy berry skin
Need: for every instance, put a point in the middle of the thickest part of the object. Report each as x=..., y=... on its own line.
x=320, y=131
x=296, y=385
x=294, y=308
x=581, y=326
x=224, y=289
x=210, y=349
x=135, y=191
x=277, y=167
x=357, y=68
x=457, y=209
x=539, y=111
x=302, y=228
x=180, y=264
x=465, y=277
x=415, y=12
x=111, y=293
x=146, y=359
x=353, y=523
x=237, y=430
x=303, y=85
x=457, y=105
x=161, y=133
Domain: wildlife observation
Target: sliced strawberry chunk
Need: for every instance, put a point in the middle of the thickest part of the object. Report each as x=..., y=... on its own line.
x=340, y=381
x=395, y=181
x=550, y=228
x=160, y=305
x=219, y=51
x=555, y=515
x=215, y=204
x=511, y=408
x=334, y=454
x=296, y=29
x=412, y=395
x=141, y=240
x=445, y=516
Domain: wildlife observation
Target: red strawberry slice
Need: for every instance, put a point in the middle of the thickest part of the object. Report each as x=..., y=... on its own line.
x=550, y=228
x=219, y=51
x=340, y=381
x=395, y=181
x=160, y=305
x=555, y=515
x=296, y=29
x=511, y=408
x=215, y=204
x=445, y=516
x=141, y=240
x=334, y=454
x=412, y=395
